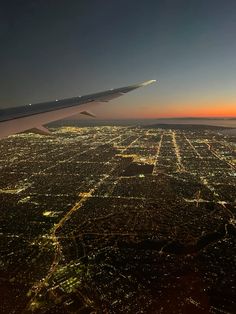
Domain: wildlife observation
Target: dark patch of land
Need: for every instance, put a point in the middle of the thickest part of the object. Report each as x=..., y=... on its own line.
x=136, y=169
x=229, y=131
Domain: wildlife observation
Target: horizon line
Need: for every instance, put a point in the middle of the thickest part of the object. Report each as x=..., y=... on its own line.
x=159, y=118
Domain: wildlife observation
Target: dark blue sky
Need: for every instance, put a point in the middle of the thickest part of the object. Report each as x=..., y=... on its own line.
x=56, y=49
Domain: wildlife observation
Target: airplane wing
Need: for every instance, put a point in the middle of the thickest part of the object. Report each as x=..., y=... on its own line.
x=33, y=117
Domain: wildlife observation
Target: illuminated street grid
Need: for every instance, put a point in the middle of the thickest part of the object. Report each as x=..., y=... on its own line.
x=118, y=220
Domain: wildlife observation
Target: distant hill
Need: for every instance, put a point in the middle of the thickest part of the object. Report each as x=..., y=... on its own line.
x=186, y=127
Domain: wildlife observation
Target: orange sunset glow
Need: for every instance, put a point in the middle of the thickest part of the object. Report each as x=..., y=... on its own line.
x=152, y=110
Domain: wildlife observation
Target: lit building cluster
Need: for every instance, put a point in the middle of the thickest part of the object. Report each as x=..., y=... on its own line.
x=118, y=220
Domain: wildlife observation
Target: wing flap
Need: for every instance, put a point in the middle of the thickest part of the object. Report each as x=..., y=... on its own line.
x=40, y=130
x=88, y=113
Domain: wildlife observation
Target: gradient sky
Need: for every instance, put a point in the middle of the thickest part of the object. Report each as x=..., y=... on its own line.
x=53, y=49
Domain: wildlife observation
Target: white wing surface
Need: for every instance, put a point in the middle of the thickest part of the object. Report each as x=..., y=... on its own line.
x=33, y=117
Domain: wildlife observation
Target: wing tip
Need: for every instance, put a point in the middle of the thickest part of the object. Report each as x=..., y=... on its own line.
x=148, y=82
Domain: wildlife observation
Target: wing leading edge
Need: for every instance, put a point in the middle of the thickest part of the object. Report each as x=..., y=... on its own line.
x=33, y=117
